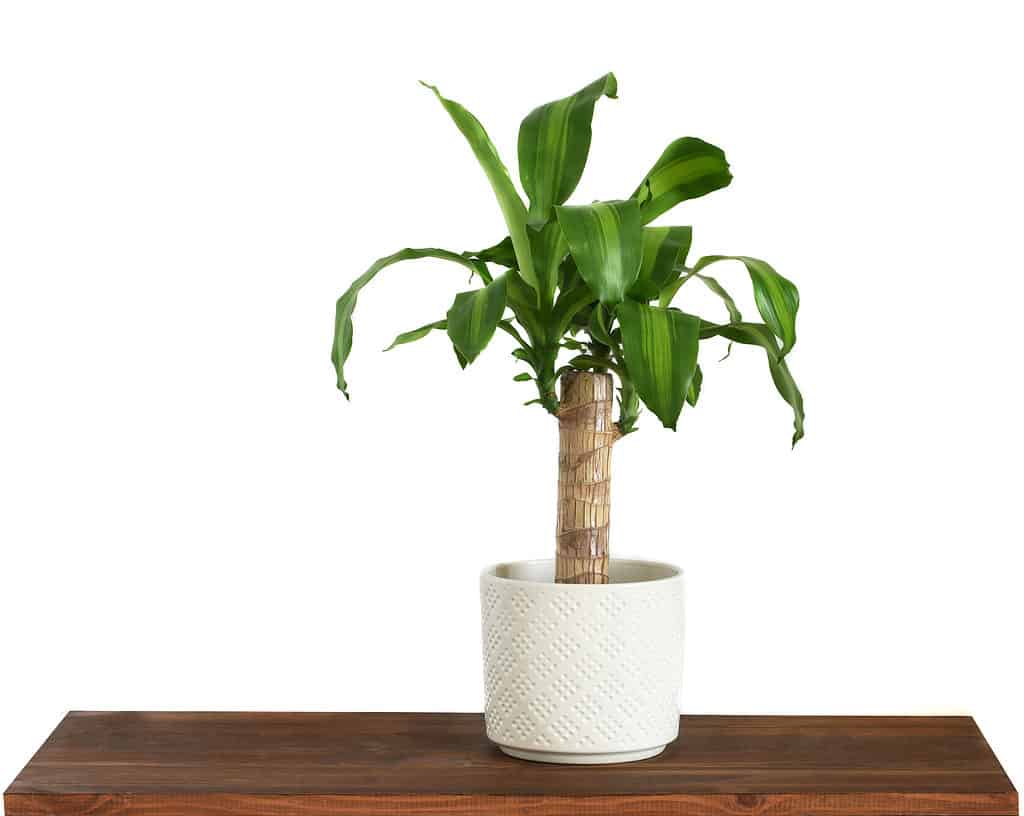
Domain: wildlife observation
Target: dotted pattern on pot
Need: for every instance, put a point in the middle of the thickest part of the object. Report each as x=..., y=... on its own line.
x=582, y=670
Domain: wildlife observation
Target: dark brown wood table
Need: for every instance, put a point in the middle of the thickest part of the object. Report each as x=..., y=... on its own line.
x=166, y=764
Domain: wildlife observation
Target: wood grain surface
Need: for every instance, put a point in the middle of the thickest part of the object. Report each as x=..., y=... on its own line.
x=309, y=764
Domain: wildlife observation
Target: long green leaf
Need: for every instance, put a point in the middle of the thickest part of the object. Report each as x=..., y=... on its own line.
x=554, y=141
x=718, y=289
x=664, y=250
x=417, y=334
x=660, y=348
x=777, y=299
x=474, y=316
x=786, y=386
x=689, y=168
x=758, y=334
x=342, y=345
x=605, y=241
x=511, y=204
x=669, y=292
x=750, y=334
x=549, y=247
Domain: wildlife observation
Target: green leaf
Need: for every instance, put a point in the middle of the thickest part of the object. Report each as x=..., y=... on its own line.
x=598, y=327
x=758, y=334
x=554, y=141
x=718, y=289
x=417, y=334
x=750, y=334
x=502, y=253
x=777, y=298
x=511, y=204
x=660, y=348
x=689, y=168
x=664, y=250
x=522, y=300
x=522, y=377
x=586, y=362
x=693, y=392
x=342, y=346
x=569, y=303
x=606, y=243
x=669, y=292
x=474, y=316
x=549, y=248
x=786, y=386
x=507, y=327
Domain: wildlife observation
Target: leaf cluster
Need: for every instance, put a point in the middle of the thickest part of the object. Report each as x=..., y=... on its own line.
x=595, y=283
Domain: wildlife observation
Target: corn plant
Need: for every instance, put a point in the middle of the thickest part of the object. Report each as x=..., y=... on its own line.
x=588, y=293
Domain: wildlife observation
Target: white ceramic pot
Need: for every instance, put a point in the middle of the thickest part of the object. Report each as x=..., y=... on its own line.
x=582, y=674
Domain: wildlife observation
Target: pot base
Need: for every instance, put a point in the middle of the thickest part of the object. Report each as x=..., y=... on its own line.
x=560, y=758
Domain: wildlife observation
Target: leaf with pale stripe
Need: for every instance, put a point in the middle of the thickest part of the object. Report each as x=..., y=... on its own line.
x=554, y=141
x=605, y=240
x=511, y=204
x=664, y=250
x=342, y=345
x=474, y=316
x=417, y=334
x=758, y=334
x=660, y=347
x=689, y=168
x=777, y=299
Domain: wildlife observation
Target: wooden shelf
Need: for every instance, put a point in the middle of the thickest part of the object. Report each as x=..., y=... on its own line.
x=219, y=764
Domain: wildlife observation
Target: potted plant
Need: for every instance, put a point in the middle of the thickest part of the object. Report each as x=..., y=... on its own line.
x=583, y=653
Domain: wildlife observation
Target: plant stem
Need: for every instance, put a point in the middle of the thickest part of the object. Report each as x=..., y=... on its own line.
x=586, y=433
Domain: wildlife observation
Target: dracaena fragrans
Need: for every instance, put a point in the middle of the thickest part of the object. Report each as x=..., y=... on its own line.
x=592, y=291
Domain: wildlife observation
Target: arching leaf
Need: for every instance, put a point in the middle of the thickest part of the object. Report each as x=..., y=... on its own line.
x=669, y=292
x=417, y=334
x=664, y=250
x=660, y=347
x=502, y=253
x=605, y=241
x=689, y=168
x=786, y=386
x=758, y=334
x=474, y=316
x=751, y=334
x=777, y=299
x=554, y=141
x=511, y=204
x=342, y=345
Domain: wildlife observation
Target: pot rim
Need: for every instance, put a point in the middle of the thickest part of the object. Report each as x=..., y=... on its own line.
x=675, y=574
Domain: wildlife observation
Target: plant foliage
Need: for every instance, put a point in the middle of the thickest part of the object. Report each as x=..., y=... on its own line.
x=593, y=280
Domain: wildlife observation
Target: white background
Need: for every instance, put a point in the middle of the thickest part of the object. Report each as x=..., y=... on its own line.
x=194, y=518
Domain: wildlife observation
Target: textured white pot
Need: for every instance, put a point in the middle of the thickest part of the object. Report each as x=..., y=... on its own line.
x=582, y=674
